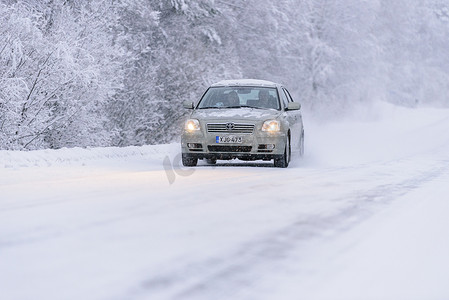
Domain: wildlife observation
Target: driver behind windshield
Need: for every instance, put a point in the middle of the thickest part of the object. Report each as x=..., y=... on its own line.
x=264, y=99
x=233, y=99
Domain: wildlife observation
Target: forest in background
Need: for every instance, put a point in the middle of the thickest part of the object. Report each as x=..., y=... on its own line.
x=79, y=73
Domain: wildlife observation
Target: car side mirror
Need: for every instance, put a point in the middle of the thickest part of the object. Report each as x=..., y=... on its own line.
x=188, y=104
x=293, y=106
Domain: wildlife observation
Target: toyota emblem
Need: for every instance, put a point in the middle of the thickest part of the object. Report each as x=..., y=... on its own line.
x=230, y=126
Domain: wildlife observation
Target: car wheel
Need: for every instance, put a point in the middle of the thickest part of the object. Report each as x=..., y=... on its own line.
x=211, y=161
x=189, y=161
x=282, y=162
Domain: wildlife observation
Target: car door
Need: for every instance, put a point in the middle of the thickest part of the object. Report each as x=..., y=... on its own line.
x=295, y=118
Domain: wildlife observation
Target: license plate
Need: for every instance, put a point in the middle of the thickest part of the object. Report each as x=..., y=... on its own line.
x=229, y=139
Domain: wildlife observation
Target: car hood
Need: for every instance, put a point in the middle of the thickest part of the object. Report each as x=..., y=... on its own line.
x=235, y=114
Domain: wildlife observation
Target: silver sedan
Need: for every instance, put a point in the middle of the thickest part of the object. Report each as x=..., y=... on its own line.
x=243, y=119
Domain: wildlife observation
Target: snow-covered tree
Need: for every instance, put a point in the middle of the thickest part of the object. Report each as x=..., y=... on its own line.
x=170, y=62
x=57, y=71
x=413, y=37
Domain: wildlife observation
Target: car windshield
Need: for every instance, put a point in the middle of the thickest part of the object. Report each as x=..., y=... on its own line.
x=236, y=97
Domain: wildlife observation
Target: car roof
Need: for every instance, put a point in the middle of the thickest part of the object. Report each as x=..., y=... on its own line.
x=245, y=82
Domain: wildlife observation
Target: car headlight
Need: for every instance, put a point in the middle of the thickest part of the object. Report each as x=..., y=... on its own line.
x=271, y=126
x=192, y=125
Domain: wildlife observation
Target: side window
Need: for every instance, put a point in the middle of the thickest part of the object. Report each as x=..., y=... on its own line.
x=287, y=94
x=284, y=98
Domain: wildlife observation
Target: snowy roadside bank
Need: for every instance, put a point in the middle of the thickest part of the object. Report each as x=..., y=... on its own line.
x=83, y=156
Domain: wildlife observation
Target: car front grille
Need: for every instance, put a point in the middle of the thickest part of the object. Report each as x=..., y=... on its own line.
x=229, y=148
x=230, y=128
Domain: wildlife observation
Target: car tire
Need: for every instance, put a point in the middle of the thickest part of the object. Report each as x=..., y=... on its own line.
x=211, y=161
x=283, y=160
x=189, y=161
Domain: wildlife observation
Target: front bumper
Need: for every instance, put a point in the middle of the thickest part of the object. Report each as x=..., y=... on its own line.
x=258, y=145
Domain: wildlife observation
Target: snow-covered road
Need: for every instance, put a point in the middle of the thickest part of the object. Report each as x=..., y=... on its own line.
x=365, y=215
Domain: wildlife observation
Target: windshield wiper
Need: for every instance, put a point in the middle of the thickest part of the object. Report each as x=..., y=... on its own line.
x=211, y=107
x=240, y=106
x=236, y=106
x=257, y=107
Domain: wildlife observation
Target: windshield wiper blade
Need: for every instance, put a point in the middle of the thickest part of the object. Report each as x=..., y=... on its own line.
x=236, y=106
x=257, y=107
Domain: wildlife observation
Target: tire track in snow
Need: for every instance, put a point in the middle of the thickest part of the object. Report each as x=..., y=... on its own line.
x=238, y=272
